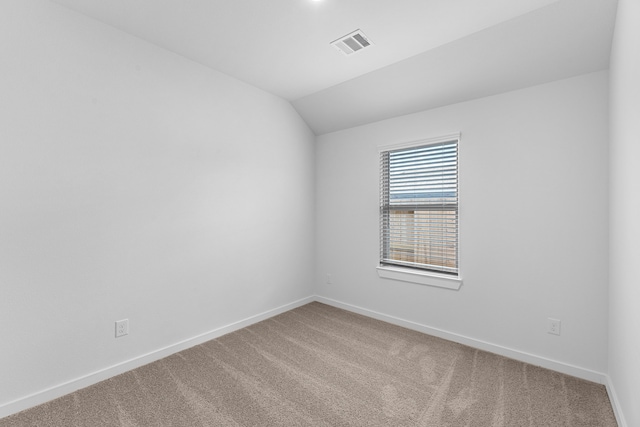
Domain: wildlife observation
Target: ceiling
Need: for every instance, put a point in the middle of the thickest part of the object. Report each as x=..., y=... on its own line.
x=425, y=53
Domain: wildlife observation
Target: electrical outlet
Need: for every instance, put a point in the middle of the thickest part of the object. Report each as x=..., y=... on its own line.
x=122, y=328
x=553, y=326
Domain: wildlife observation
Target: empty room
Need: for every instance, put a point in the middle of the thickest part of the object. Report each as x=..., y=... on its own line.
x=319, y=213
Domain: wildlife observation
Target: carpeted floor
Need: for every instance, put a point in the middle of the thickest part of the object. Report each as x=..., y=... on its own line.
x=322, y=366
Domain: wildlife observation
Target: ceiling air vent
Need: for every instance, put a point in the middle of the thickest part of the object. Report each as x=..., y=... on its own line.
x=352, y=43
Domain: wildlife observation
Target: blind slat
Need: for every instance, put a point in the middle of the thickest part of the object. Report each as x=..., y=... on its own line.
x=419, y=207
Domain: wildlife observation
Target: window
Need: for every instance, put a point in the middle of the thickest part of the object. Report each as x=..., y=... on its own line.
x=419, y=207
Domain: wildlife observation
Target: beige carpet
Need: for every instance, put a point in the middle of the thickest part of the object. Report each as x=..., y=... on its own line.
x=322, y=366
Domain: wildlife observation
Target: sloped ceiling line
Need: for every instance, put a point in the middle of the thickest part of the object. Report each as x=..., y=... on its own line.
x=428, y=53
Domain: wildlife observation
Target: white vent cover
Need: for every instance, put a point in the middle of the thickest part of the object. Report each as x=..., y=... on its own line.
x=352, y=43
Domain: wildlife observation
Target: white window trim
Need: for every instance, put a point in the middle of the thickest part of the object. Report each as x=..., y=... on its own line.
x=421, y=277
x=412, y=275
x=426, y=141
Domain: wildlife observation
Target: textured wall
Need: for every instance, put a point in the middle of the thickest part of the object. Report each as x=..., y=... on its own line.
x=135, y=184
x=624, y=340
x=533, y=220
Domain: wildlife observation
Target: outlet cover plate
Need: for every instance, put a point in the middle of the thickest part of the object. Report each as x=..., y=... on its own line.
x=122, y=328
x=553, y=326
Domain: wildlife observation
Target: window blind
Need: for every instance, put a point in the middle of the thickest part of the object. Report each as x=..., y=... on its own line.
x=419, y=207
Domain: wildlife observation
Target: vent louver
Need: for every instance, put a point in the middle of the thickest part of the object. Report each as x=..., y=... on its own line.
x=352, y=43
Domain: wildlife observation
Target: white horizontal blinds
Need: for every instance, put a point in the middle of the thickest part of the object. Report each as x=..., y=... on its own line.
x=419, y=207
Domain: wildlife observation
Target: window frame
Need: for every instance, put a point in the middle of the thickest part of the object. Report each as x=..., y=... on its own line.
x=416, y=274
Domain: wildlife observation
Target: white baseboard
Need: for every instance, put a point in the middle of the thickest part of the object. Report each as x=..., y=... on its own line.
x=111, y=371
x=564, y=368
x=615, y=403
x=532, y=359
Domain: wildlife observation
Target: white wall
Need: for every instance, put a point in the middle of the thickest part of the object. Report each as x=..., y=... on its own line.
x=135, y=184
x=533, y=218
x=131, y=181
x=624, y=309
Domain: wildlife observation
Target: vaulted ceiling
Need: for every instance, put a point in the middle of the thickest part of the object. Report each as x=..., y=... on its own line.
x=425, y=53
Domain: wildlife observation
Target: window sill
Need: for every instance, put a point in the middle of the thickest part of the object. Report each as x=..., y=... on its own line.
x=420, y=277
